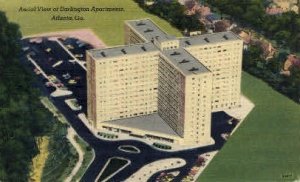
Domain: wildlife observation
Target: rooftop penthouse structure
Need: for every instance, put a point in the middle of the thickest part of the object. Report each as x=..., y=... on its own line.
x=160, y=87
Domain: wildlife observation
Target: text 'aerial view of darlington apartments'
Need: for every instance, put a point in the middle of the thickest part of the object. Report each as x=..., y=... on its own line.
x=159, y=87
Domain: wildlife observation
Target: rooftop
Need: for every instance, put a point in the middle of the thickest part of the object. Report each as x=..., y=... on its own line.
x=122, y=50
x=184, y=61
x=151, y=122
x=149, y=30
x=208, y=38
x=180, y=58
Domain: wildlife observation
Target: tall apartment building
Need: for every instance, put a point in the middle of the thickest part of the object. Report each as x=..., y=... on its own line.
x=123, y=83
x=162, y=87
x=222, y=55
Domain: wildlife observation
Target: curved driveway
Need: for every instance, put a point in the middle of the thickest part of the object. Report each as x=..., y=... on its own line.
x=106, y=149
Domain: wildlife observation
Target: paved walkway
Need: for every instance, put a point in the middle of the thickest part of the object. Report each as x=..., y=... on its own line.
x=208, y=156
x=148, y=170
x=81, y=63
x=242, y=112
x=71, y=134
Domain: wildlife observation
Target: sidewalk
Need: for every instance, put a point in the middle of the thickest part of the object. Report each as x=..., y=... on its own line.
x=242, y=112
x=148, y=170
x=208, y=160
x=71, y=134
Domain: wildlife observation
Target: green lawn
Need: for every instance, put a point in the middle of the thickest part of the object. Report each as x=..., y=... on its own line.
x=87, y=158
x=107, y=25
x=113, y=166
x=267, y=144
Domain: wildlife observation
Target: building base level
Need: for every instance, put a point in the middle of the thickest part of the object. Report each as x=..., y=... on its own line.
x=125, y=133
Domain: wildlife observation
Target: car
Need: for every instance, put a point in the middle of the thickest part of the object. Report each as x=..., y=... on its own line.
x=230, y=121
x=66, y=76
x=57, y=64
x=79, y=55
x=63, y=88
x=50, y=59
x=53, y=79
x=72, y=82
x=72, y=61
x=59, y=84
x=49, y=84
x=69, y=46
x=25, y=49
x=48, y=50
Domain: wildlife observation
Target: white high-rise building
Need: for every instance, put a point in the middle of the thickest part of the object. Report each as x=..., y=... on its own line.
x=161, y=87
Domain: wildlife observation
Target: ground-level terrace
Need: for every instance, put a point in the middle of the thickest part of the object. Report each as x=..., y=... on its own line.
x=151, y=127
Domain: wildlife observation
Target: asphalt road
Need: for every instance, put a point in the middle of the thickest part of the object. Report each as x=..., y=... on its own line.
x=106, y=149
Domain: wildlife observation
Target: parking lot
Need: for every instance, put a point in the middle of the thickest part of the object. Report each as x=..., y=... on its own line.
x=63, y=72
x=77, y=47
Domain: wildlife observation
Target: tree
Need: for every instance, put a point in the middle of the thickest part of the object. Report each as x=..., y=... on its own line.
x=282, y=36
x=22, y=116
x=254, y=15
x=294, y=84
x=295, y=43
x=173, y=12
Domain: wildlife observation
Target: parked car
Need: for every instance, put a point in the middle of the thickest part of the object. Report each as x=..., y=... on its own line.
x=48, y=50
x=66, y=76
x=72, y=82
x=49, y=84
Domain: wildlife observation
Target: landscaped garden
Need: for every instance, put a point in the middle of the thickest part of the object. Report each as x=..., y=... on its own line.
x=129, y=148
x=107, y=135
x=162, y=146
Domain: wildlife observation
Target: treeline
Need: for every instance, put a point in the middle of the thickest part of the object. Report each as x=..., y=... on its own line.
x=22, y=117
x=174, y=13
x=269, y=71
x=284, y=28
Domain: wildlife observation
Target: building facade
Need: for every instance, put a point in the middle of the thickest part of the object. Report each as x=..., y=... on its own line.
x=224, y=60
x=161, y=87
